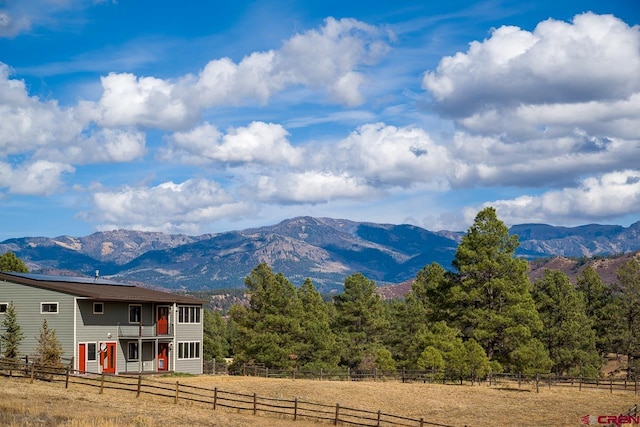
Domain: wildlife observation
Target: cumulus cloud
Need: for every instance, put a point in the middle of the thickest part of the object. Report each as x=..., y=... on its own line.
x=39, y=178
x=169, y=207
x=328, y=59
x=595, y=57
x=594, y=199
x=258, y=143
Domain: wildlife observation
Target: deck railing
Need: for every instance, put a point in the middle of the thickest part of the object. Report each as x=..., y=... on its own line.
x=142, y=331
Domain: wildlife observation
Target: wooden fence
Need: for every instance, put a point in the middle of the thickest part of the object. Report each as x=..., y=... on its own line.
x=440, y=377
x=213, y=397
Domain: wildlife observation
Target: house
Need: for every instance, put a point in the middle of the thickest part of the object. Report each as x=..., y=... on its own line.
x=107, y=326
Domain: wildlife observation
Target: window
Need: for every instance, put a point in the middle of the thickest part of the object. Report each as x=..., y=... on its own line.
x=133, y=351
x=135, y=313
x=91, y=351
x=3, y=307
x=48, y=308
x=188, y=314
x=98, y=308
x=189, y=350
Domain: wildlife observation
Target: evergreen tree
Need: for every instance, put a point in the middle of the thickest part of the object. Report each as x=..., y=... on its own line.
x=359, y=319
x=12, y=336
x=430, y=288
x=567, y=333
x=406, y=319
x=600, y=309
x=629, y=278
x=49, y=349
x=268, y=331
x=10, y=262
x=319, y=347
x=491, y=293
x=215, y=341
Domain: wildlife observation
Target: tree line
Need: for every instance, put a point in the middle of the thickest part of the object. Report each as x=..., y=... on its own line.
x=484, y=315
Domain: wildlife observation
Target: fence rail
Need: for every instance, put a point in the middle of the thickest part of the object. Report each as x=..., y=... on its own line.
x=213, y=398
x=434, y=376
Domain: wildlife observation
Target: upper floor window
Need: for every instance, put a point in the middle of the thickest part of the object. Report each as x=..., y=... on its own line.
x=188, y=314
x=3, y=307
x=48, y=308
x=98, y=308
x=135, y=313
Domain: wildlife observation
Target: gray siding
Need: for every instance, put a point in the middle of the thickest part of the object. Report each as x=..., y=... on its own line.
x=27, y=301
x=189, y=332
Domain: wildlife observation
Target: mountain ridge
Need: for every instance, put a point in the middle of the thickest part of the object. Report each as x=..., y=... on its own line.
x=323, y=249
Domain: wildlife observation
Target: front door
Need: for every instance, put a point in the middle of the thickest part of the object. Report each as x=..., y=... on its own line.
x=82, y=358
x=108, y=357
x=163, y=320
x=163, y=356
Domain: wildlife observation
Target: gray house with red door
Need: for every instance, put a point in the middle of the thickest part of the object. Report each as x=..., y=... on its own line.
x=107, y=326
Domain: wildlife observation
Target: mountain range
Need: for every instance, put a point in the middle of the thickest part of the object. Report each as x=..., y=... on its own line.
x=323, y=249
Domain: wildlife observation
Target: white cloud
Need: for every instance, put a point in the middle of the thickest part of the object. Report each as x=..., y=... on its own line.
x=610, y=195
x=596, y=57
x=388, y=156
x=328, y=59
x=39, y=178
x=312, y=187
x=258, y=143
x=169, y=207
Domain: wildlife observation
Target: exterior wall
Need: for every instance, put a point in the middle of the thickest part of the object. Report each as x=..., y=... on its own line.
x=26, y=300
x=188, y=332
x=77, y=323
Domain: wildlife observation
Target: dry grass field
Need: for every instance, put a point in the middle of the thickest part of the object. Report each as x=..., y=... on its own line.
x=50, y=404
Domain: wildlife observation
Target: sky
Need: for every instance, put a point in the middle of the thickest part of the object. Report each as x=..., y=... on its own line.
x=198, y=117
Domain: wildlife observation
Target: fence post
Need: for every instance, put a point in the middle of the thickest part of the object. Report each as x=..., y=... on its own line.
x=635, y=386
x=375, y=374
x=335, y=421
x=255, y=403
x=348, y=373
x=549, y=382
x=66, y=380
x=177, y=392
x=580, y=383
x=421, y=422
x=266, y=372
x=403, y=373
x=215, y=397
x=611, y=385
x=139, y=386
x=490, y=379
x=519, y=379
x=102, y=383
x=33, y=366
x=379, y=415
x=320, y=374
x=295, y=409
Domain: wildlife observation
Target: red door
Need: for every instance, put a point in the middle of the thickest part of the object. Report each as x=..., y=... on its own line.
x=163, y=320
x=163, y=356
x=82, y=358
x=108, y=357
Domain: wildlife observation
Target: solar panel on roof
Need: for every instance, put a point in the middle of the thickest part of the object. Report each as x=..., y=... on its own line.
x=71, y=279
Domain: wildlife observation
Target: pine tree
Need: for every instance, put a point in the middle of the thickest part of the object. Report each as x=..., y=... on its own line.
x=567, y=333
x=268, y=331
x=490, y=295
x=629, y=278
x=12, y=336
x=49, y=349
x=215, y=341
x=10, y=262
x=359, y=319
x=319, y=347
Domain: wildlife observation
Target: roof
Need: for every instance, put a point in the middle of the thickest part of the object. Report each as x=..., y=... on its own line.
x=98, y=289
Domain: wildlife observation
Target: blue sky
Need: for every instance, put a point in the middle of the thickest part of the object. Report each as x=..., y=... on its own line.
x=202, y=117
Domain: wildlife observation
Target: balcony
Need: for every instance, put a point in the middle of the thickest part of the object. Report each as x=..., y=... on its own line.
x=143, y=331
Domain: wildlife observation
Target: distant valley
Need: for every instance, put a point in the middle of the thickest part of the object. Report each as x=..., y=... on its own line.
x=323, y=249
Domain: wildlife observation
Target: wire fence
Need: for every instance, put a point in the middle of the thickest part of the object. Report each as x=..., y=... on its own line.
x=213, y=398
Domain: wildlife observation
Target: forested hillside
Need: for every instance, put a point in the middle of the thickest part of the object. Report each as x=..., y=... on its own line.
x=484, y=315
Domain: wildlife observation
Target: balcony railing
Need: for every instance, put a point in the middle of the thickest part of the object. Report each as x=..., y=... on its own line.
x=143, y=331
